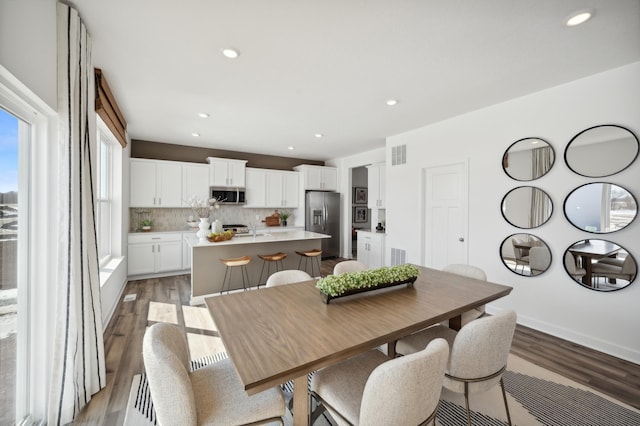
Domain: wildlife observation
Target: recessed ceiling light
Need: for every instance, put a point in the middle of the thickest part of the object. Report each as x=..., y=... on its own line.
x=318, y=135
x=291, y=148
x=230, y=53
x=195, y=135
x=203, y=115
x=578, y=18
x=392, y=102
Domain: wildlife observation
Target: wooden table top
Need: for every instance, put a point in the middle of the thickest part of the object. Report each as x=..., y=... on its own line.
x=276, y=334
x=595, y=248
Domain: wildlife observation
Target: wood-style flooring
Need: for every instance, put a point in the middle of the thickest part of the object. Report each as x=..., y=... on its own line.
x=167, y=299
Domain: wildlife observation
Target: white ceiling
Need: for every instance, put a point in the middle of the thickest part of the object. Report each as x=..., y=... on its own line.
x=328, y=66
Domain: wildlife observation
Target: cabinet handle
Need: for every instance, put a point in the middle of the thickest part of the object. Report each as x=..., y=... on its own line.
x=153, y=248
x=154, y=201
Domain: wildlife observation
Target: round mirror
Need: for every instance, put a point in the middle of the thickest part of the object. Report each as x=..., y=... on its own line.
x=528, y=159
x=600, y=207
x=525, y=254
x=601, y=151
x=600, y=265
x=527, y=207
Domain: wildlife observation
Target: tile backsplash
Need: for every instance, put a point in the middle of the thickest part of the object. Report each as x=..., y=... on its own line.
x=175, y=219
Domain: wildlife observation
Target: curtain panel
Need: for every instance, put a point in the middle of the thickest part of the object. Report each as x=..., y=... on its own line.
x=78, y=365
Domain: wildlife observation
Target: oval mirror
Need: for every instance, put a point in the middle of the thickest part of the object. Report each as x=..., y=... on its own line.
x=528, y=159
x=600, y=207
x=527, y=207
x=600, y=265
x=601, y=150
x=525, y=254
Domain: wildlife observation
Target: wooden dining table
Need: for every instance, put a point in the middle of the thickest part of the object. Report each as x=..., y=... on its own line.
x=590, y=250
x=277, y=334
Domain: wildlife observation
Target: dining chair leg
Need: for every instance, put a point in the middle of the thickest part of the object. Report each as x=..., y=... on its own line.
x=506, y=406
x=466, y=402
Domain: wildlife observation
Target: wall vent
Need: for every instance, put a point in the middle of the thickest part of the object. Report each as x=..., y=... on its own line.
x=398, y=257
x=398, y=155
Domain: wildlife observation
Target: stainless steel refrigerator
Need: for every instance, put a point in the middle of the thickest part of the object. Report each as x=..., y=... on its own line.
x=323, y=215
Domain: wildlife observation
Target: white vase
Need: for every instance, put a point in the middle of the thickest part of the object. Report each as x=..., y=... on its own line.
x=216, y=226
x=204, y=226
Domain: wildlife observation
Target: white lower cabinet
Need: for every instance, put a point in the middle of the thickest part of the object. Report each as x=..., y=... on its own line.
x=371, y=249
x=155, y=252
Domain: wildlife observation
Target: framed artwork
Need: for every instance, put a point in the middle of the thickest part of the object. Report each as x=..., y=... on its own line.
x=360, y=195
x=360, y=214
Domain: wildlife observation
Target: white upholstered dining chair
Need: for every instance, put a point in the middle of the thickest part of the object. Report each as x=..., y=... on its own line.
x=539, y=259
x=478, y=357
x=288, y=276
x=370, y=389
x=615, y=269
x=349, y=266
x=570, y=264
x=211, y=395
x=471, y=272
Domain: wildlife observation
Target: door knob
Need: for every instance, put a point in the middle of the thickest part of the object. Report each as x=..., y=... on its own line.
x=461, y=239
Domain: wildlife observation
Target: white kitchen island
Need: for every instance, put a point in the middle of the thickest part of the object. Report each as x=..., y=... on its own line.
x=207, y=272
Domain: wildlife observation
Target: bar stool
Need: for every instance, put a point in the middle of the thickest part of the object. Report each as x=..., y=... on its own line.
x=267, y=259
x=309, y=255
x=232, y=263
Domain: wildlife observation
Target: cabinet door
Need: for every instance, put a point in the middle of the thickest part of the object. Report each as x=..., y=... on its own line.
x=255, y=189
x=169, y=184
x=313, y=178
x=236, y=174
x=218, y=172
x=141, y=258
x=275, y=194
x=382, y=170
x=291, y=185
x=375, y=253
x=195, y=181
x=169, y=256
x=329, y=179
x=143, y=183
x=373, y=181
x=363, y=250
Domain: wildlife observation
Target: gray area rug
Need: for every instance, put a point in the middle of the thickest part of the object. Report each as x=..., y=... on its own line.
x=536, y=397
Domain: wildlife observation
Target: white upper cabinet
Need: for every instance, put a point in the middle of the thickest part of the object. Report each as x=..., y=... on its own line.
x=319, y=177
x=225, y=172
x=155, y=183
x=195, y=181
x=272, y=188
x=376, y=181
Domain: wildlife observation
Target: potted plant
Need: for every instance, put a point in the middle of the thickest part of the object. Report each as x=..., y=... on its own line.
x=348, y=283
x=146, y=225
x=284, y=215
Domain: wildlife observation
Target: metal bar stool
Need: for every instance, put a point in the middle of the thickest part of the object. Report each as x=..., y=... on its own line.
x=234, y=262
x=309, y=255
x=267, y=259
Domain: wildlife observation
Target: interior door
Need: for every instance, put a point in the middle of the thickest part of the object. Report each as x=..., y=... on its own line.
x=445, y=215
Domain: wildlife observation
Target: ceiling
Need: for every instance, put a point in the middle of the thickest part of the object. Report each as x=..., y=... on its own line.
x=328, y=67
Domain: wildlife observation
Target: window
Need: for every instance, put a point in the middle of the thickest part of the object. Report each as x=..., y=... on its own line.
x=105, y=205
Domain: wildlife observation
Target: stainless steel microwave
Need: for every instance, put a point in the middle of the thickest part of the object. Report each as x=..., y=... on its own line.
x=228, y=195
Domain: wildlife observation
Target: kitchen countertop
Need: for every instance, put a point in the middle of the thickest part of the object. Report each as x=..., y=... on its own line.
x=261, y=237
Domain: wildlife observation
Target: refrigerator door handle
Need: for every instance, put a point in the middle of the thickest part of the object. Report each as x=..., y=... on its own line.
x=326, y=217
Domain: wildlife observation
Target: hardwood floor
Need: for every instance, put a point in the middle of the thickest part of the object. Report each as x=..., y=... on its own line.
x=167, y=299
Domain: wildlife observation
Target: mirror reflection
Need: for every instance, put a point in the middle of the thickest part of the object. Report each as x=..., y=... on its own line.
x=600, y=265
x=527, y=207
x=528, y=159
x=525, y=254
x=601, y=151
x=600, y=207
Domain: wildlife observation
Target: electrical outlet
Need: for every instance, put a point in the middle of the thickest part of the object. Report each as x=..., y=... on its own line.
x=130, y=297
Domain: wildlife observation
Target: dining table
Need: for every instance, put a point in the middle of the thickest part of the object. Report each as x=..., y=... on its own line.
x=590, y=250
x=277, y=334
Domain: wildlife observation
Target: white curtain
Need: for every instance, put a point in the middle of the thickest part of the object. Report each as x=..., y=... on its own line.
x=78, y=368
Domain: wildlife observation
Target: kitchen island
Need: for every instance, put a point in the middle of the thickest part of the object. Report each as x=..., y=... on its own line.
x=207, y=272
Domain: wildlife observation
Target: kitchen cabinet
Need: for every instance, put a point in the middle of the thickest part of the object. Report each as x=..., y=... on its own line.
x=154, y=252
x=227, y=173
x=376, y=182
x=272, y=188
x=371, y=248
x=195, y=181
x=155, y=183
x=318, y=177
x=186, y=250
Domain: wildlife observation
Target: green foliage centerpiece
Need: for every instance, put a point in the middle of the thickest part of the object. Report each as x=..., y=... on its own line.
x=348, y=283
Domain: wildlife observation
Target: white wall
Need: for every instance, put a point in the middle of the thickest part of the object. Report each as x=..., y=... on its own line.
x=551, y=302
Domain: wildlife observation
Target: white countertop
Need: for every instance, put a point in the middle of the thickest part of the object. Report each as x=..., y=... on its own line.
x=261, y=237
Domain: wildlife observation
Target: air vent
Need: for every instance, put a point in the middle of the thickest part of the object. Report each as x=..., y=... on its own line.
x=398, y=155
x=398, y=257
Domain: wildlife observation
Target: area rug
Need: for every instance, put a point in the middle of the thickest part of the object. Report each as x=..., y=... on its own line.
x=536, y=396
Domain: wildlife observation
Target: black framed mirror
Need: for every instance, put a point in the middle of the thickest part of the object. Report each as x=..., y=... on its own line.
x=526, y=207
x=600, y=265
x=602, y=150
x=525, y=254
x=600, y=207
x=528, y=159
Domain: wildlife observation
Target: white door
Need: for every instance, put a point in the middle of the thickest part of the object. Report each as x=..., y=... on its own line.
x=446, y=215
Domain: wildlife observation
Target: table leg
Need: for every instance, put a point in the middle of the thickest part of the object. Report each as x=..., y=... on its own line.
x=300, y=401
x=586, y=264
x=455, y=323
